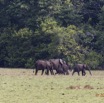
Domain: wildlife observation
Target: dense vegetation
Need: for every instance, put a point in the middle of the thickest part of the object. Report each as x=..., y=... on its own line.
x=43, y=29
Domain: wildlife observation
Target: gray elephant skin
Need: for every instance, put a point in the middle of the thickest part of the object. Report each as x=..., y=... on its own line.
x=66, y=68
x=60, y=66
x=43, y=65
x=51, y=65
x=81, y=68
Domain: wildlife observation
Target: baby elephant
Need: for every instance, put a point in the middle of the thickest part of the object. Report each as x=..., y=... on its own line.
x=81, y=67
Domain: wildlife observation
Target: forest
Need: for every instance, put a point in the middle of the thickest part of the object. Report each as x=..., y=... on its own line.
x=42, y=29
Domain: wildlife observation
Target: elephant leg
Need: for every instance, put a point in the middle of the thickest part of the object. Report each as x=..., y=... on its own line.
x=57, y=72
x=36, y=71
x=62, y=71
x=83, y=72
x=47, y=71
x=73, y=72
x=51, y=71
x=42, y=71
x=67, y=73
x=78, y=73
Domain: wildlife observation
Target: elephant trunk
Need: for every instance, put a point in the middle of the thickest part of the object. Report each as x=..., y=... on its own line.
x=89, y=71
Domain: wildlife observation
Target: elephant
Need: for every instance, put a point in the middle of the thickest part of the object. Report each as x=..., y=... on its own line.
x=43, y=65
x=66, y=68
x=81, y=67
x=57, y=65
x=49, y=68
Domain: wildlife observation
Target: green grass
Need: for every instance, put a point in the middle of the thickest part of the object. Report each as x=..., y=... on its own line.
x=22, y=86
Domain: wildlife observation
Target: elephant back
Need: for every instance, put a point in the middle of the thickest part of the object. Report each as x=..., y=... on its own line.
x=40, y=63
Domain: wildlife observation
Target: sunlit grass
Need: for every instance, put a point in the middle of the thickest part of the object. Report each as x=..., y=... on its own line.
x=22, y=86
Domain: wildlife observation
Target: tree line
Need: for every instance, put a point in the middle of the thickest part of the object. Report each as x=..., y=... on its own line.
x=44, y=29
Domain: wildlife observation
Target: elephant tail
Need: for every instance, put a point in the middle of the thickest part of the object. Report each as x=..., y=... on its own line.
x=34, y=67
x=33, y=70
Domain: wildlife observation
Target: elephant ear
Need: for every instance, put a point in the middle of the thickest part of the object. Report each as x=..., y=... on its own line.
x=61, y=61
x=84, y=65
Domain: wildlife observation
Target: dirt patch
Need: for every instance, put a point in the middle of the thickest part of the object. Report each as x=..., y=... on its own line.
x=88, y=87
x=100, y=88
x=74, y=87
x=80, y=87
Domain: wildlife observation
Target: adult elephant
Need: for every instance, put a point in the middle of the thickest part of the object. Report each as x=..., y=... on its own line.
x=57, y=65
x=81, y=67
x=43, y=65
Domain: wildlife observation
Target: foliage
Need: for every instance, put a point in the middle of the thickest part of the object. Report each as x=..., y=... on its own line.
x=44, y=29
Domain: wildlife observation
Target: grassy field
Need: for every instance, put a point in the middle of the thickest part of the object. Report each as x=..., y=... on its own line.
x=22, y=86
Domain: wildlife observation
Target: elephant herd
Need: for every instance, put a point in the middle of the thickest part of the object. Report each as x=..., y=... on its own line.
x=59, y=66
